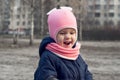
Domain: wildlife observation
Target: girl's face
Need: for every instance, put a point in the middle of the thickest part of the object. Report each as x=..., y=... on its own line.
x=66, y=37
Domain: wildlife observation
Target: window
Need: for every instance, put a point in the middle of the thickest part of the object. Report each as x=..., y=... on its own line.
x=118, y=14
x=111, y=7
x=29, y=22
x=67, y=0
x=111, y=23
x=118, y=23
x=18, y=23
x=105, y=23
x=111, y=14
x=97, y=14
x=91, y=7
x=97, y=0
x=23, y=23
x=108, y=1
x=97, y=6
x=118, y=7
x=105, y=15
x=97, y=22
x=90, y=14
x=29, y=16
x=19, y=9
x=18, y=16
x=90, y=0
x=23, y=15
x=24, y=8
x=105, y=7
x=7, y=16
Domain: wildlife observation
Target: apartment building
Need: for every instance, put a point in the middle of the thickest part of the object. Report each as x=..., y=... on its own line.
x=0, y=15
x=104, y=11
x=20, y=15
x=4, y=14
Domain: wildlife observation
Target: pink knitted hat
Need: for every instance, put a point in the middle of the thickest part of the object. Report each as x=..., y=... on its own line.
x=59, y=19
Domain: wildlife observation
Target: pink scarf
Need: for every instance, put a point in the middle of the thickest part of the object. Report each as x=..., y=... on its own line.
x=67, y=53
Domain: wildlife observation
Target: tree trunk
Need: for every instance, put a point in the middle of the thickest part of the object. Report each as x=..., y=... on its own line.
x=80, y=31
x=42, y=18
x=32, y=31
x=15, y=39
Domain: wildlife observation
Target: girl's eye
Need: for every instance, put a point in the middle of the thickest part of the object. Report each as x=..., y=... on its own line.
x=62, y=33
x=72, y=32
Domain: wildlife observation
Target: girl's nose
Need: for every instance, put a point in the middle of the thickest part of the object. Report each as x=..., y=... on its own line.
x=67, y=36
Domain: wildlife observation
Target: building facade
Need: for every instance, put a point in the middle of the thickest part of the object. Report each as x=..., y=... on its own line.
x=105, y=11
x=4, y=14
x=17, y=14
x=20, y=15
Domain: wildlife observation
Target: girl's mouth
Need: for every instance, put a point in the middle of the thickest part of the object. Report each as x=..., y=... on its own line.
x=67, y=43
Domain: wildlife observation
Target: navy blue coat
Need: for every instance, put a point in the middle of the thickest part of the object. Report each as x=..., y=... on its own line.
x=63, y=69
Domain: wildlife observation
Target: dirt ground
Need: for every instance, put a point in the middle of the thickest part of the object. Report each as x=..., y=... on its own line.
x=18, y=62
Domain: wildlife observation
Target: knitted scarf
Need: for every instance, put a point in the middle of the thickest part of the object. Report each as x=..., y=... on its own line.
x=66, y=53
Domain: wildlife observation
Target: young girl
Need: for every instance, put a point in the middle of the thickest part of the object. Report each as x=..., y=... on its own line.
x=59, y=54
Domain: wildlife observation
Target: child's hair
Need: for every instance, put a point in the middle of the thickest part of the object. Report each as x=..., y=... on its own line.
x=59, y=19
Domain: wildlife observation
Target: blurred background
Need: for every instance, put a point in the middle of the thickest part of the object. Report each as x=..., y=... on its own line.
x=97, y=19
x=23, y=23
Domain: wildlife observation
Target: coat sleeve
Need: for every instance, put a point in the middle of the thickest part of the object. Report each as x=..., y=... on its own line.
x=88, y=74
x=46, y=68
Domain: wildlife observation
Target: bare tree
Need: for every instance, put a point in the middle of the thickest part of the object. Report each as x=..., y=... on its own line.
x=34, y=5
x=14, y=6
x=12, y=12
x=1, y=16
x=107, y=13
x=81, y=16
